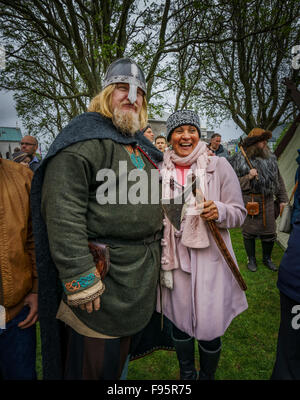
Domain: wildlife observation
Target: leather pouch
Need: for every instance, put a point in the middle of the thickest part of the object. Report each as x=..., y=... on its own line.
x=100, y=253
x=252, y=207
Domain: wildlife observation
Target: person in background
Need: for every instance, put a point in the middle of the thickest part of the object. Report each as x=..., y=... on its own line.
x=259, y=185
x=148, y=133
x=198, y=292
x=161, y=143
x=18, y=276
x=16, y=150
x=216, y=147
x=287, y=364
x=29, y=145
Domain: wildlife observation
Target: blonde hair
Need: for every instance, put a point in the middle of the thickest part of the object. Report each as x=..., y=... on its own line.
x=101, y=103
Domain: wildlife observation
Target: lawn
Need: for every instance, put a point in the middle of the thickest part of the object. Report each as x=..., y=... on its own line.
x=249, y=344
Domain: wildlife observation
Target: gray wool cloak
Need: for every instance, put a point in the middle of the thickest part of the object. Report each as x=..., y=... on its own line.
x=87, y=126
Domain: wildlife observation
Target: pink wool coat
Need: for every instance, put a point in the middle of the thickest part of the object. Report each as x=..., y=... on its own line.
x=204, y=301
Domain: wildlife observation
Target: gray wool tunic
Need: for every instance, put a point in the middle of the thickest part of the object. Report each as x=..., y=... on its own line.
x=73, y=215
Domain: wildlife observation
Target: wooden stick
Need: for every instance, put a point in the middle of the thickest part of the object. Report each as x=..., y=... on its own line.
x=226, y=254
x=247, y=159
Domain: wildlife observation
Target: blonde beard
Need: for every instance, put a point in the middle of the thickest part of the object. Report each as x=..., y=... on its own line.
x=127, y=122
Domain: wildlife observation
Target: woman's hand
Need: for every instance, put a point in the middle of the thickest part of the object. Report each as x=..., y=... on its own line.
x=210, y=211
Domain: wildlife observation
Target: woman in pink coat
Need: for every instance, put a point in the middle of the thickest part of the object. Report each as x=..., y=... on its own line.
x=199, y=294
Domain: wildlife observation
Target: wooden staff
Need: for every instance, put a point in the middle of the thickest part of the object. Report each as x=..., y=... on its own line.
x=247, y=159
x=228, y=258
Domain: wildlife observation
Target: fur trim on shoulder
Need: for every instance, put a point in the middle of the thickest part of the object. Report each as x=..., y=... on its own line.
x=267, y=182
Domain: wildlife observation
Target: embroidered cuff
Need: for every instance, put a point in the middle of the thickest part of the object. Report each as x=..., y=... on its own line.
x=81, y=283
x=86, y=295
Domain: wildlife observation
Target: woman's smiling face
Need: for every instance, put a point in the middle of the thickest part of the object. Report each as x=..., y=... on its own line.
x=184, y=139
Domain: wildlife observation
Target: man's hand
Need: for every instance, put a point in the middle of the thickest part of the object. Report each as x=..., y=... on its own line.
x=32, y=301
x=91, y=305
x=88, y=299
x=253, y=173
x=210, y=211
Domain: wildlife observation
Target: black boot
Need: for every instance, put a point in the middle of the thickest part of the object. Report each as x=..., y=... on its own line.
x=208, y=363
x=267, y=248
x=250, y=250
x=186, y=356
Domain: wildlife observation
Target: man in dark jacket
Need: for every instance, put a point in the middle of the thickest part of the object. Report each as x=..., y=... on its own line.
x=216, y=147
x=89, y=194
x=29, y=145
x=259, y=183
x=287, y=365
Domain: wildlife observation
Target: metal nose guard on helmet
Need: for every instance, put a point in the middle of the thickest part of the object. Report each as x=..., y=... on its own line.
x=124, y=70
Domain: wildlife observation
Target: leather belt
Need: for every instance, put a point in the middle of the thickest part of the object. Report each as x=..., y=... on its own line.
x=129, y=242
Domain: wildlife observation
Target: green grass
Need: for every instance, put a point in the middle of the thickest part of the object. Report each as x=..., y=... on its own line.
x=249, y=344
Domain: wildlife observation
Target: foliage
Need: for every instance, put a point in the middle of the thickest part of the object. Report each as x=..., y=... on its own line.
x=241, y=78
x=282, y=134
x=224, y=58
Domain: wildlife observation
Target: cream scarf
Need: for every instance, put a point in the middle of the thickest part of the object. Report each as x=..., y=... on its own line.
x=193, y=230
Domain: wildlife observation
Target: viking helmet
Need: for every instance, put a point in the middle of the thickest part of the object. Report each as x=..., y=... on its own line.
x=127, y=71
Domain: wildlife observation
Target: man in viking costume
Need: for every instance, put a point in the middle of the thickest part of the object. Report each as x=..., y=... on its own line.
x=260, y=180
x=91, y=318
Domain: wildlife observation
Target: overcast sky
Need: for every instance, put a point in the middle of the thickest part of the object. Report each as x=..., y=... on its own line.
x=9, y=118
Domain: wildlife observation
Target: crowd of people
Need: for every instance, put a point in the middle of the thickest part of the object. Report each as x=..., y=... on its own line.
x=98, y=256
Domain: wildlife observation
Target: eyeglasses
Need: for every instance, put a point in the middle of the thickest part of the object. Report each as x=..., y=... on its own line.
x=27, y=144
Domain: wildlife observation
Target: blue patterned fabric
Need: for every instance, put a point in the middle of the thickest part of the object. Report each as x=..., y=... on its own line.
x=83, y=282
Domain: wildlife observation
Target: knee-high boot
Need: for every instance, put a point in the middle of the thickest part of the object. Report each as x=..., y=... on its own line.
x=208, y=363
x=250, y=250
x=186, y=357
x=267, y=248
